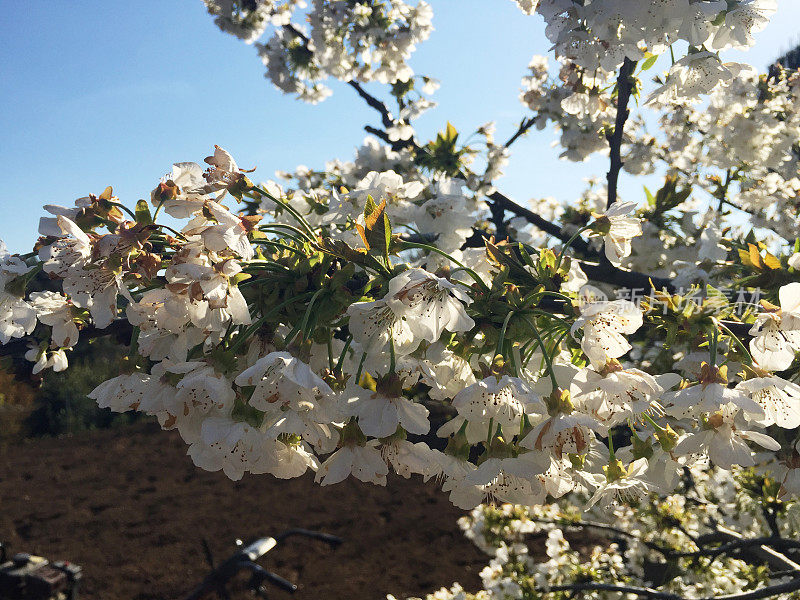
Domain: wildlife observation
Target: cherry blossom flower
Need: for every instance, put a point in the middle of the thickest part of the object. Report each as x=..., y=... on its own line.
x=604, y=324
x=618, y=229
x=616, y=394
x=17, y=317
x=44, y=358
x=620, y=483
x=502, y=401
x=181, y=193
x=710, y=394
x=380, y=413
x=225, y=231
x=779, y=398
x=776, y=335
x=55, y=310
x=724, y=442
x=362, y=462
x=418, y=306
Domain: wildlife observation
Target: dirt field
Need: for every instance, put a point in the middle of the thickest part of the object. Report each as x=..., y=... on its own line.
x=129, y=506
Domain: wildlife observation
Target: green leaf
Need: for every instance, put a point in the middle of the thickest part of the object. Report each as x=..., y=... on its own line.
x=649, y=61
x=651, y=200
x=451, y=133
x=387, y=237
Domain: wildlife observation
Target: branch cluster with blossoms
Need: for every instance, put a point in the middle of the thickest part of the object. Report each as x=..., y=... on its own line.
x=399, y=312
x=723, y=535
x=350, y=41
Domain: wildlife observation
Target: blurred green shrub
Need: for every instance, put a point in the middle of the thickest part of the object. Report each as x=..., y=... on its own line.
x=61, y=404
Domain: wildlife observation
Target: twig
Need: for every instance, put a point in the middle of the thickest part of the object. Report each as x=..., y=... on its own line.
x=373, y=102
x=523, y=128
x=608, y=587
x=538, y=221
x=378, y=133
x=609, y=528
x=624, y=90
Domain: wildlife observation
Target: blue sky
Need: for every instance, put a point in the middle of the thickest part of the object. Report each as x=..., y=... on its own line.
x=112, y=93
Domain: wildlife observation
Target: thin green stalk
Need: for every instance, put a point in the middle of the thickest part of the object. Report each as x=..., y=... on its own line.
x=290, y=209
x=280, y=245
x=470, y=272
x=611, y=454
x=175, y=231
x=304, y=322
x=158, y=209
x=342, y=356
x=360, y=367
x=501, y=340
x=545, y=354
x=712, y=346
x=737, y=341
x=258, y=322
x=303, y=235
x=556, y=295
x=330, y=351
x=568, y=244
x=392, y=355
x=123, y=207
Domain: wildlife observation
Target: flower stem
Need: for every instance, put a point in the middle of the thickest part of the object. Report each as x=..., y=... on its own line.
x=290, y=209
x=470, y=272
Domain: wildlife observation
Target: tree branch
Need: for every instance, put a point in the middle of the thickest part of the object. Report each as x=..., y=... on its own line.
x=373, y=102
x=381, y=135
x=523, y=128
x=538, y=221
x=500, y=203
x=608, y=273
x=608, y=587
x=624, y=90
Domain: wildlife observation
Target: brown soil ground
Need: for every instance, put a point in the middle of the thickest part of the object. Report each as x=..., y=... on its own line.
x=130, y=508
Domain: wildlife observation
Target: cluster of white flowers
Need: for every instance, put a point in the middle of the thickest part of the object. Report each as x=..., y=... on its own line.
x=578, y=103
x=739, y=149
x=743, y=145
x=361, y=41
x=601, y=34
x=666, y=544
x=248, y=20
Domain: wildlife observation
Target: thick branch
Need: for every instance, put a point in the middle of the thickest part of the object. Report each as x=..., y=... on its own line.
x=610, y=529
x=624, y=90
x=608, y=273
x=498, y=218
